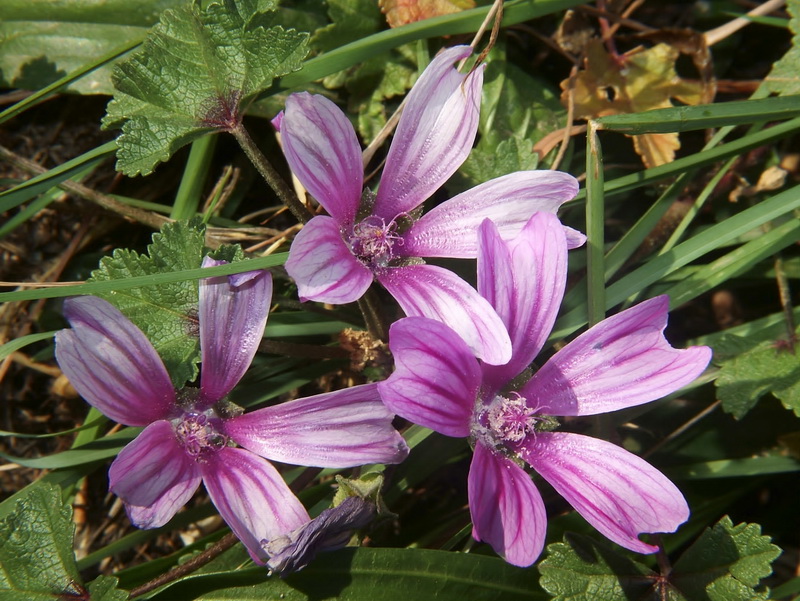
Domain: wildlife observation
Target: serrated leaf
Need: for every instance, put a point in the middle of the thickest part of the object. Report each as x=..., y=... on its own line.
x=41, y=41
x=725, y=560
x=510, y=155
x=582, y=569
x=36, y=558
x=197, y=70
x=166, y=313
x=784, y=78
x=756, y=370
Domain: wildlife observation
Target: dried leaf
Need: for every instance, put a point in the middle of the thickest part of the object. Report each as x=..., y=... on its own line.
x=403, y=12
x=639, y=80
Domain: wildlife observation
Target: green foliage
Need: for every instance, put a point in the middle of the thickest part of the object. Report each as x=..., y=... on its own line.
x=750, y=369
x=581, y=569
x=198, y=69
x=167, y=313
x=784, y=78
x=41, y=40
x=351, y=20
x=376, y=574
x=726, y=563
x=36, y=551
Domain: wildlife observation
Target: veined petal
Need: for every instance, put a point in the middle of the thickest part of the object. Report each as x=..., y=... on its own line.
x=617, y=492
x=232, y=320
x=507, y=510
x=436, y=378
x=323, y=267
x=621, y=362
x=337, y=429
x=322, y=150
x=434, y=136
x=524, y=280
x=450, y=229
x=434, y=292
x=112, y=364
x=153, y=476
x=252, y=498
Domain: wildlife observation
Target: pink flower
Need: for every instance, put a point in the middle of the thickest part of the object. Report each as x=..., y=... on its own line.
x=193, y=434
x=336, y=257
x=621, y=362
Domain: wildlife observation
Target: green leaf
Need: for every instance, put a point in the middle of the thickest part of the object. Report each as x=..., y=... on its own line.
x=725, y=563
x=41, y=41
x=582, y=569
x=167, y=314
x=104, y=588
x=351, y=20
x=784, y=78
x=197, y=70
x=36, y=548
x=376, y=574
x=756, y=370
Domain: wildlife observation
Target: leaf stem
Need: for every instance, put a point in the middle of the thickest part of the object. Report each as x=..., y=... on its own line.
x=222, y=545
x=269, y=174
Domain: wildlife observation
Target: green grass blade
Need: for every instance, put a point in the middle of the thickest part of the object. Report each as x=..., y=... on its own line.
x=595, y=226
x=688, y=118
x=42, y=183
x=187, y=200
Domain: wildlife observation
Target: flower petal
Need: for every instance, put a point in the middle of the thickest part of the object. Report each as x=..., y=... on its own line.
x=252, y=498
x=434, y=136
x=338, y=429
x=232, y=319
x=524, y=280
x=434, y=292
x=323, y=267
x=449, y=230
x=617, y=492
x=112, y=364
x=621, y=362
x=436, y=378
x=322, y=150
x=507, y=509
x=153, y=476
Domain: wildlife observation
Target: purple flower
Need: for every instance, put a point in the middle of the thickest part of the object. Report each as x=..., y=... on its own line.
x=621, y=362
x=193, y=434
x=335, y=258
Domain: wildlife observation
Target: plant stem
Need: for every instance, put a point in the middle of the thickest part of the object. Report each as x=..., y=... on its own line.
x=222, y=545
x=269, y=174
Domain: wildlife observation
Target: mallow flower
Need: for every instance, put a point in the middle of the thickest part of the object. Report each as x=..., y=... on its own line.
x=621, y=362
x=367, y=236
x=194, y=434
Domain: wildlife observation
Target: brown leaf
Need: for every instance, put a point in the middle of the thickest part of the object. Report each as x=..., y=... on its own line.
x=639, y=80
x=402, y=12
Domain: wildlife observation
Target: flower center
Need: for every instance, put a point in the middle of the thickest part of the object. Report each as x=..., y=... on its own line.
x=372, y=240
x=198, y=434
x=504, y=423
